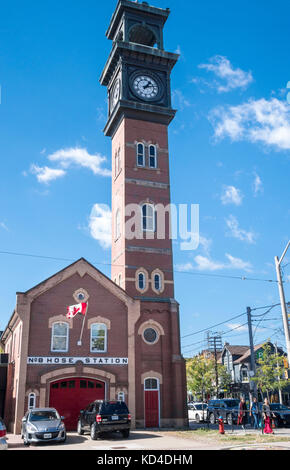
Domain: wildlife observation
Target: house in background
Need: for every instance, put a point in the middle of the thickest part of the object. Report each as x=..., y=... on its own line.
x=237, y=360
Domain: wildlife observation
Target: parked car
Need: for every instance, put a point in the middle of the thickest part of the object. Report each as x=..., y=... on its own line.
x=3, y=439
x=105, y=416
x=42, y=425
x=228, y=408
x=282, y=414
x=197, y=412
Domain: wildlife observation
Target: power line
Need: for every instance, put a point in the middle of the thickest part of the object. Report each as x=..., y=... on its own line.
x=97, y=263
x=214, y=326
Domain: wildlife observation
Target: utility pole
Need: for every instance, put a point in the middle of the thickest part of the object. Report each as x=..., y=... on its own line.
x=216, y=368
x=279, y=378
x=282, y=299
x=253, y=359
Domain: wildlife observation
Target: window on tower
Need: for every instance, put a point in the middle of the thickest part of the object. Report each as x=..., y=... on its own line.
x=117, y=162
x=140, y=154
x=141, y=281
x=152, y=156
x=148, y=218
x=118, y=225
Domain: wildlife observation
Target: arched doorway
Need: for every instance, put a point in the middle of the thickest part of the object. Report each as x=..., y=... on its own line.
x=69, y=396
x=152, y=403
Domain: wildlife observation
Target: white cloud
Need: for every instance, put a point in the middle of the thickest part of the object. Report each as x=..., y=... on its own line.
x=185, y=267
x=261, y=121
x=237, y=232
x=45, y=174
x=179, y=100
x=80, y=157
x=237, y=326
x=4, y=226
x=100, y=221
x=258, y=185
x=237, y=263
x=204, y=263
x=232, y=195
x=229, y=77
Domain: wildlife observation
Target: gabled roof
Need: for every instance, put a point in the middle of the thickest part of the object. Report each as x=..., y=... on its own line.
x=236, y=350
x=77, y=266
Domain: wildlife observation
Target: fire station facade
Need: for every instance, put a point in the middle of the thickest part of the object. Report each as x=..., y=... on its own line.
x=128, y=345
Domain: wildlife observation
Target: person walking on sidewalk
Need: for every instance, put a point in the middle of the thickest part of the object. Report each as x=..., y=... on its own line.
x=267, y=415
x=254, y=412
x=242, y=418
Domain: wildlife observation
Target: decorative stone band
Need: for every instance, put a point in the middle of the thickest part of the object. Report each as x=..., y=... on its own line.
x=106, y=361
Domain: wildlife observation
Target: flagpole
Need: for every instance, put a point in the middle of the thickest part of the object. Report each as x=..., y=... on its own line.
x=83, y=325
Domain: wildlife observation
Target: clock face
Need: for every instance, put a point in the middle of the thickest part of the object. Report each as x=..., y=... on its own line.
x=145, y=87
x=116, y=93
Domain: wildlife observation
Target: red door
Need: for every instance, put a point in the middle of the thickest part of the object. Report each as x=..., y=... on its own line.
x=151, y=409
x=70, y=396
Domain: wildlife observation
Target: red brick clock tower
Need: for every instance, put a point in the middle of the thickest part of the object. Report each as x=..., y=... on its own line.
x=137, y=77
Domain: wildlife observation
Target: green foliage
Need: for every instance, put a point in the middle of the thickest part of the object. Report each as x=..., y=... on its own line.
x=201, y=376
x=270, y=370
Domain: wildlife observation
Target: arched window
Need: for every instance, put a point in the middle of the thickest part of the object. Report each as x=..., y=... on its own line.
x=141, y=281
x=157, y=282
x=140, y=154
x=98, y=338
x=117, y=162
x=31, y=401
x=121, y=396
x=148, y=218
x=151, y=384
x=142, y=34
x=118, y=224
x=152, y=156
x=59, y=340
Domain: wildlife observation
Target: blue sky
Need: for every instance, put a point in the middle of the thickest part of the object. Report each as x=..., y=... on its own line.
x=229, y=147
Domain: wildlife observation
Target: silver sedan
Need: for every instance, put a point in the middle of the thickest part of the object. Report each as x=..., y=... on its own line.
x=42, y=425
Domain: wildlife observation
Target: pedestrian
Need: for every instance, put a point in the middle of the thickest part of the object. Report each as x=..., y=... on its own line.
x=254, y=412
x=242, y=418
x=267, y=415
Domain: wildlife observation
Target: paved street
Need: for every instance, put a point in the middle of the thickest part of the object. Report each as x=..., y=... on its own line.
x=139, y=440
x=144, y=440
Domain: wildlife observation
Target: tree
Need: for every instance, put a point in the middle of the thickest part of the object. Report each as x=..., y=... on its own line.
x=270, y=371
x=201, y=376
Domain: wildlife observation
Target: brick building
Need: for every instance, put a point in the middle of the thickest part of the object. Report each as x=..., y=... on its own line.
x=130, y=347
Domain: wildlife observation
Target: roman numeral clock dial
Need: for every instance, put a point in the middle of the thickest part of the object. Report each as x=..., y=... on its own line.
x=146, y=87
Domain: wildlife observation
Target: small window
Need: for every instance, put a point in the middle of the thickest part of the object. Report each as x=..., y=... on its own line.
x=118, y=225
x=141, y=281
x=150, y=335
x=71, y=384
x=140, y=155
x=98, y=338
x=152, y=156
x=91, y=384
x=151, y=384
x=54, y=386
x=121, y=396
x=148, y=218
x=117, y=162
x=31, y=401
x=157, y=282
x=83, y=384
x=63, y=385
x=60, y=337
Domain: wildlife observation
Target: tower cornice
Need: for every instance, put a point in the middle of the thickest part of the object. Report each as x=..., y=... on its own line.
x=144, y=8
x=137, y=52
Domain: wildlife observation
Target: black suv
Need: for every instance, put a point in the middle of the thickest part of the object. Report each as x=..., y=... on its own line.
x=105, y=416
x=228, y=408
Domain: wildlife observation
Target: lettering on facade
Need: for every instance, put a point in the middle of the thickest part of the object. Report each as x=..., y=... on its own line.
x=119, y=361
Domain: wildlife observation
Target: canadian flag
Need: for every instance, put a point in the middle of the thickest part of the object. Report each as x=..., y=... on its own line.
x=75, y=309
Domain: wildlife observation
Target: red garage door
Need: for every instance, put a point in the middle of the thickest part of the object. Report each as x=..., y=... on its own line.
x=72, y=395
